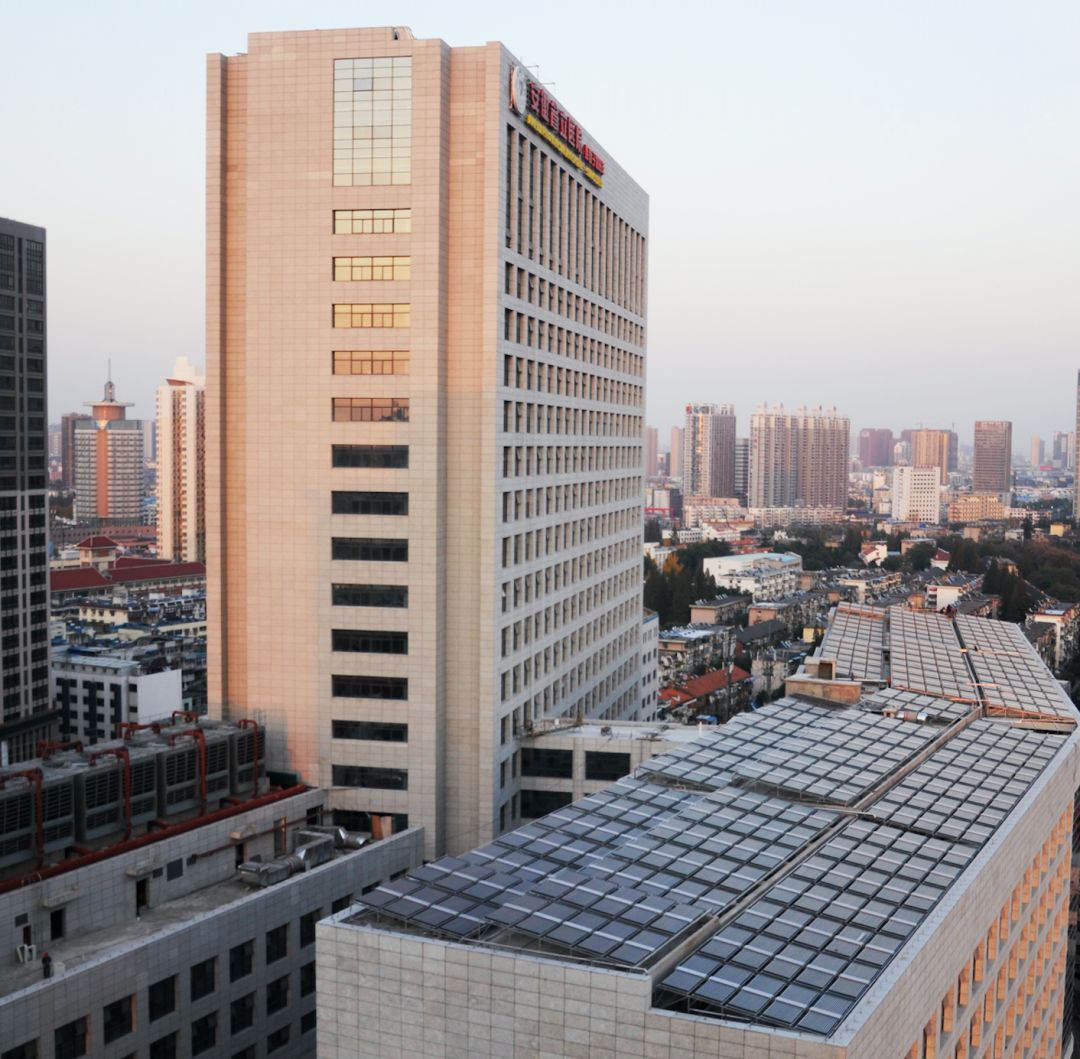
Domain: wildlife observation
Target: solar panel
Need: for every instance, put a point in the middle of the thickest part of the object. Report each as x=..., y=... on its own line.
x=926, y=656
x=1011, y=675
x=855, y=640
x=802, y=954
x=967, y=788
x=838, y=757
x=931, y=707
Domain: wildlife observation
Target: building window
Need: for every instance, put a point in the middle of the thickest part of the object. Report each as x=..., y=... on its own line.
x=277, y=943
x=368, y=503
x=370, y=549
x=277, y=1039
x=203, y=978
x=245, y=1053
x=241, y=960
x=307, y=979
x=373, y=222
x=69, y=1040
x=372, y=121
x=554, y=764
x=378, y=456
x=602, y=765
x=371, y=362
x=370, y=641
x=165, y=1047
x=162, y=996
x=370, y=314
x=307, y=927
x=307, y=1021
x=372, y=268
x=378, y=731
x=369, y=595
x=361, y=687
x=370, y=409
x=540, y=803
x=277, y=994
x=242, y=1013
x=382, y=779
x=204, y=1033
x=29, y=1050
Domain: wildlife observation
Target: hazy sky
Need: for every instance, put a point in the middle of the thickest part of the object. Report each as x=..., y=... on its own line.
x=866, y=203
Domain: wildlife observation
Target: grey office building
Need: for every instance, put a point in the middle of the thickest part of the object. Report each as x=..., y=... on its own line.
x=24, y=600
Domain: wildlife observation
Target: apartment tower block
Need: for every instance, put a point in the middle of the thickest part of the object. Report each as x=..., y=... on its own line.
x=24, y=559
x=991, y=469
x=799, y=459
x=181, y=465
x=709, y=450
x=425, y=379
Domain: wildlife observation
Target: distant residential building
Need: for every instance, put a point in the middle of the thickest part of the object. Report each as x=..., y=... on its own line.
x=934, y=448
x=992, y=461
x=1064, y=618
x=67, y=444
x=699, y=509
x=977, y=507
x=1072, y=453
x=676, y=457
x=720, y=610
x=778, y=517
x=941, y=560
x=131, y=571
x=798, y=458
x=651, y=470
x=875, y=447
x=97, y=692
x=762, y=575
x=109, y=461
x=1060, y=452
x=874, y=552
x=709, y=450
x=24, y=601
x=742, y=469
x=916, y=494
x=1038, y=451
x=181, y=465
x=682, y=649
x=902, y=453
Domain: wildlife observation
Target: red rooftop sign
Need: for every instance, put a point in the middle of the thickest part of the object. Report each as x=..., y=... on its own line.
x=543, y=115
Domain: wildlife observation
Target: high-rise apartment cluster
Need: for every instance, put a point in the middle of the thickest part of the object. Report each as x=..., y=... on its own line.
x=181, y=465
x=798, y=459
x=708, y=464
x=436, y=430
x=24, y=600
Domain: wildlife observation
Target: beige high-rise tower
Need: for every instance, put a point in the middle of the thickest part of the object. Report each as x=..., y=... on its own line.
x=800, y=458
x=425, y=389
x=991, y=470
x=181, y=465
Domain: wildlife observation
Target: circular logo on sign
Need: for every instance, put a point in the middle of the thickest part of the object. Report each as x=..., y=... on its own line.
x=519, y=89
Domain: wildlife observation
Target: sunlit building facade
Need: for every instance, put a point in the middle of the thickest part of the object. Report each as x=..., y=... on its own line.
x=425, y=386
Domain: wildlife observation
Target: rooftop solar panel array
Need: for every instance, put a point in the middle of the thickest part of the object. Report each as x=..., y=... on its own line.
x=966, y=789
x=708, y=763
x=731, y=838
x=838, y=757
x=933, y=708
x=925, y=656
x=803, y=953
x=1010, y=672
x=855, y=640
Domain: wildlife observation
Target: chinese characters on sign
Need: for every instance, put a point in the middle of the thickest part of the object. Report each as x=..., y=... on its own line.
x=558, y=127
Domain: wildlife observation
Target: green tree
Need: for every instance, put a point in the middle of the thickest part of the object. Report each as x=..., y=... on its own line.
x=657, y=594
x=681, y=598
x=1016, y=604
x=652, y=531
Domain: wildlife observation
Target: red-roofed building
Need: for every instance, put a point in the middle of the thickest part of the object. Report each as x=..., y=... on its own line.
x=152, y=575
x=709, y=693
x=940, y=560
x=98, y=551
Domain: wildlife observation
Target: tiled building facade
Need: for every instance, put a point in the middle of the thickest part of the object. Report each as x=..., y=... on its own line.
x=181, y=465
x=425, y=389
x=798, y=459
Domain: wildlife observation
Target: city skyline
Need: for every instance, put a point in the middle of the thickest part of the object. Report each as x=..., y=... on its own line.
x=917, y=244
